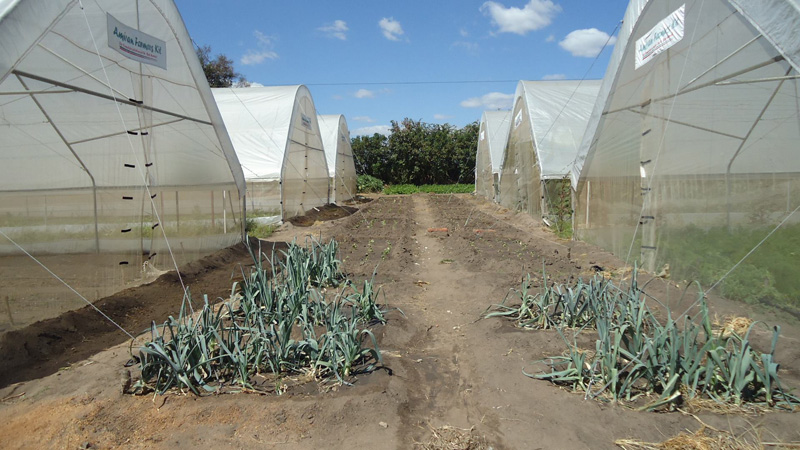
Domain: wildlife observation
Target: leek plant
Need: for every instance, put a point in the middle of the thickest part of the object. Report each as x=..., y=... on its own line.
x=636, y=356
x=277, y=323
x=557, y=306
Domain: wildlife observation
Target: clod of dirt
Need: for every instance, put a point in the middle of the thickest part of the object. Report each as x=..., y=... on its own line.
x=125, y=380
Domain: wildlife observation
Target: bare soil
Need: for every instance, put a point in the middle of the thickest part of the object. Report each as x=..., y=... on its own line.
x=320, y=214
x=449, y=370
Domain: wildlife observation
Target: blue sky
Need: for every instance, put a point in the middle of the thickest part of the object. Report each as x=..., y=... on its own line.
x=377, y=61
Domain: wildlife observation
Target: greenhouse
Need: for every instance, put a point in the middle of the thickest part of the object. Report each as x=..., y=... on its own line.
x=339, y=156
x=690, y=163
x=492, y=138
x=276, y=136
x=115, y=163
x=548, y=122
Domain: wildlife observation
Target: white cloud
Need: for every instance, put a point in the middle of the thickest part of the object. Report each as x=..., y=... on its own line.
x=369, y=131
x=338, y=29
x=244, y=84
x=492, y=100
x=554, y=76
x=587, y=43
x=469, y=47
x=463, y=32
x=392, y=30
x=364, y=93
x=551, y=38
x=366, y=119
x=263, y=53
x=534, y=15
x=441, y=117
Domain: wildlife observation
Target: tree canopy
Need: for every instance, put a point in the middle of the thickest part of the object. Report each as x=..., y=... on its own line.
x=219, y=70
x=419, y=153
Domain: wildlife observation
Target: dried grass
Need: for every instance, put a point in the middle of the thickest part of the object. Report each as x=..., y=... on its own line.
x=732, y=325
x=708, y=438
x=703, y=439
x=451, y=438
x=699, y=404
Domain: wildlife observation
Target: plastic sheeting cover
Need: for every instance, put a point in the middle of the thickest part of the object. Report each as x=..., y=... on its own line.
x=276, y=135
x=694, y=159
x=558, y=112
x=492, y=139
x=339, y=155
x=102, y=157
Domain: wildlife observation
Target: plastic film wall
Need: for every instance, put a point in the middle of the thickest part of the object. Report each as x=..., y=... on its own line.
x=484, y=185
x=520, y=180
x=492, y=140
x=276, y=135
x=695, y=160
x=548, y=122
x=111, y=170
x=339, y=155
x=304, y=182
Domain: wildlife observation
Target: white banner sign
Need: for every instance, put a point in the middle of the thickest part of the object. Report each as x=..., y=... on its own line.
x=136, y=45
x=664, y=35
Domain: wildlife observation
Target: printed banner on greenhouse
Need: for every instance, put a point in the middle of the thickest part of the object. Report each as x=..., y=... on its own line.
x=135, y=45
x=661, y=37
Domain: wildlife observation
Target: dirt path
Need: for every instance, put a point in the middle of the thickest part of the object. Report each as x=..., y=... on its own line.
x=445, y=366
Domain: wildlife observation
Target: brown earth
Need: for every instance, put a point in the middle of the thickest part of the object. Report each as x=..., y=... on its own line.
x=330, y=211
x=447, y=367
x=44, y=347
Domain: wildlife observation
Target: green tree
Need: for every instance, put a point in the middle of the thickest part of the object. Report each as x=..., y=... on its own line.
x=466, y=146
x=371, y=155
x=219, y=71
x=419, y=153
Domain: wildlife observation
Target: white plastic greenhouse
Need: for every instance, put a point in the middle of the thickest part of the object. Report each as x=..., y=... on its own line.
x=548, y=121
x=277, y=138
x=492, y=139
x=114, y=163
x=692, y=156
x=339, y=155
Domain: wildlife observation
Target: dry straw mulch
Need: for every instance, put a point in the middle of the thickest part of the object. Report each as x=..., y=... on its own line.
x=451, y=438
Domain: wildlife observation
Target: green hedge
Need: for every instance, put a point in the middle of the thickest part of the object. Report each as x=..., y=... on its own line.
x=401, y=189
x=368, y=183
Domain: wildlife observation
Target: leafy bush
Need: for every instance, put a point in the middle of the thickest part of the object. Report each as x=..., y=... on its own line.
x=558, y=194
x=368, y=183
x=259, y=230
